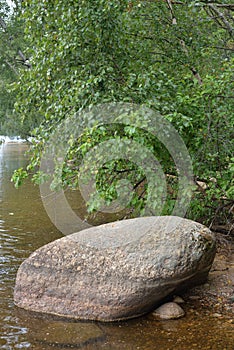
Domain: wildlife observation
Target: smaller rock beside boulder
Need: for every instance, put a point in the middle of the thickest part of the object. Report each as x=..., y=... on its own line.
x=169, y=311
x=178, y=300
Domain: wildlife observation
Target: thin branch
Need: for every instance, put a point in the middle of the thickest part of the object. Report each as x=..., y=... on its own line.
x=222, y=18
x=23, y=59
x=20, y=53
x=221, y=48
x=3, y=23
x=176, y=2
x=139, y=182
x=173, y=17
x=221, y=96
x=214, y=16
x=227, y=6
x=193, y=70
x=12, y=67
x=196, y=75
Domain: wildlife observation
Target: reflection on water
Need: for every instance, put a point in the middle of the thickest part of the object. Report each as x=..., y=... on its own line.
x=24, y=227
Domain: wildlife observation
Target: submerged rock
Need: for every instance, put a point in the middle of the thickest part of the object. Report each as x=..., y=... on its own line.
x=178, y=300
x=68, y=334
x=115, y=271
x=169, y=311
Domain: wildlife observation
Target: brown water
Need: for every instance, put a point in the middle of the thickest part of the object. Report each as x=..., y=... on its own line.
x=24, y=226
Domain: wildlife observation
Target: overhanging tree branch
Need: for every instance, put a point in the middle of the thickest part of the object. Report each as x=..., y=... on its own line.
x=218, y=4
x=9, y=41
x=222, y=18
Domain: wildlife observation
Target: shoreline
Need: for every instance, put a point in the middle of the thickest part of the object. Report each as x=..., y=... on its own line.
x=217, y=293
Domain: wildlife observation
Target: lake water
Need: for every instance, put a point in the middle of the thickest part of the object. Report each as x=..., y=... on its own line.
x=24, y=227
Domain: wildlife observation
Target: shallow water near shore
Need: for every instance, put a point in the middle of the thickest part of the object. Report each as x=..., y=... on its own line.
x=24, y=227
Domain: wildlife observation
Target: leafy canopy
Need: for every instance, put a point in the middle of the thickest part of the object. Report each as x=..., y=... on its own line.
x=172, y=56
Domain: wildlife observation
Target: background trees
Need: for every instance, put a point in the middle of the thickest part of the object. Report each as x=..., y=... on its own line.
x=173, y=56
x=12, y=61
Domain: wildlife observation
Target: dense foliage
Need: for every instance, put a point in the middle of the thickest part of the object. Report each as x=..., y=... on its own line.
x=175, y=57
x=12, y=60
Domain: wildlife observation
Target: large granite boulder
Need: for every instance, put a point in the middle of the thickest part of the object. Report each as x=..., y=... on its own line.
x=115, y=271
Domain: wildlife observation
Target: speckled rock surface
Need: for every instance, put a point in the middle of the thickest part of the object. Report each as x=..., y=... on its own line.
x=115, y=271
